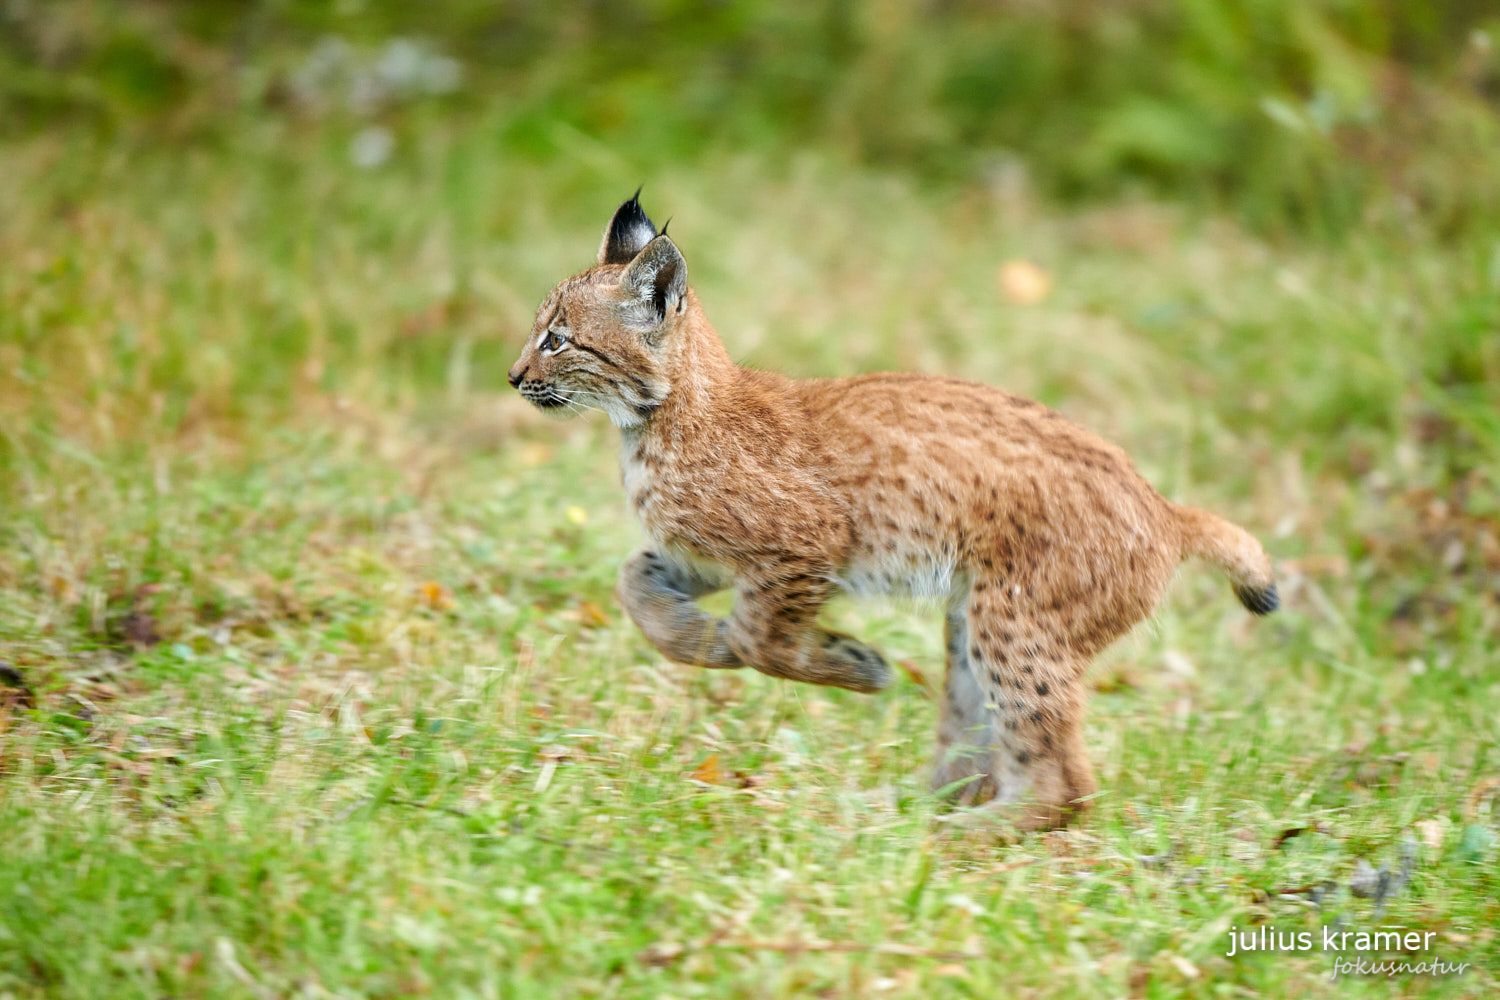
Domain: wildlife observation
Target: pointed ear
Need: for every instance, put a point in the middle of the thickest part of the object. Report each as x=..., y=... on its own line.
x=654, y=284
x=627, y=233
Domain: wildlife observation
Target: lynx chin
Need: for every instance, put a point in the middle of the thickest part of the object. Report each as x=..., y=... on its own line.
x=1043, y=541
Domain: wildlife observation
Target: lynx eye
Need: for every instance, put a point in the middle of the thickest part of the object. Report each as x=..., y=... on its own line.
x=554, y=341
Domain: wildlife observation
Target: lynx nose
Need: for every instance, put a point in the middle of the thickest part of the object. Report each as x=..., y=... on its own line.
x=515, y=375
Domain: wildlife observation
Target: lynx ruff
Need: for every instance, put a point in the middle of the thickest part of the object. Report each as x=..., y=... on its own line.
x=1043, y=541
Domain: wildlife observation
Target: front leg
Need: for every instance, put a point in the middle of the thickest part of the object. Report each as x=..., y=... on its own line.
x=659, y=594
x=774, y=629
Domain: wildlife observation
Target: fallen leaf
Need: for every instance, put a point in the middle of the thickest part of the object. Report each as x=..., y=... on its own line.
x=101, y=691
x=126, y=764
x=1478, y=793
x=435, y=595
x=137, y=626
x=1118, y=679
x=592, y=614
x=910, y=669
x=708, y=772
x=1022, y=283
x=140, y=628
x=1431, y=832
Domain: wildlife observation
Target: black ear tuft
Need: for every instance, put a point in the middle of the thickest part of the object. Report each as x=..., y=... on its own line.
x=628, y=233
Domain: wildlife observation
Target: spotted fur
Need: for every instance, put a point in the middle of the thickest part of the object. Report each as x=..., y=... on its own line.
x=1042, y=539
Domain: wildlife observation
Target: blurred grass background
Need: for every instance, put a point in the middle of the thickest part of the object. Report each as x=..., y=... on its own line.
x=1350, y=125
x=1303, y=117
x=282, y=559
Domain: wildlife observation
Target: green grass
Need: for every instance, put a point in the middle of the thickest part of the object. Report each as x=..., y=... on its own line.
x=332, y=698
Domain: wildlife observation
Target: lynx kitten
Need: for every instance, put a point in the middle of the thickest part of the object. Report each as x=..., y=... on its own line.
x=1042, y=539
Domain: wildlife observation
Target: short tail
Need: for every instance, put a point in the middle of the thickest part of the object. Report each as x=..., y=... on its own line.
x=1236, y=552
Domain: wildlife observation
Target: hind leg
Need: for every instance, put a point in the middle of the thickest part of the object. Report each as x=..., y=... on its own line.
x=1032, y=686
x=966, y=731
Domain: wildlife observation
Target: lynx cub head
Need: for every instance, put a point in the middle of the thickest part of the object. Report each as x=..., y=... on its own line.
x=604, y=338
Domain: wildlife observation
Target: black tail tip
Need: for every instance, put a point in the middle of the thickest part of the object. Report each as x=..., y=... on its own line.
x=1258, y=600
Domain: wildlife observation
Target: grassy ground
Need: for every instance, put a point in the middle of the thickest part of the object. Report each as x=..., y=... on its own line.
x=316, y=686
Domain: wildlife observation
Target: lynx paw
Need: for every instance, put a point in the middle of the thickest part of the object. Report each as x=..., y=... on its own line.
x=1009, y=821
x=859, y=667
